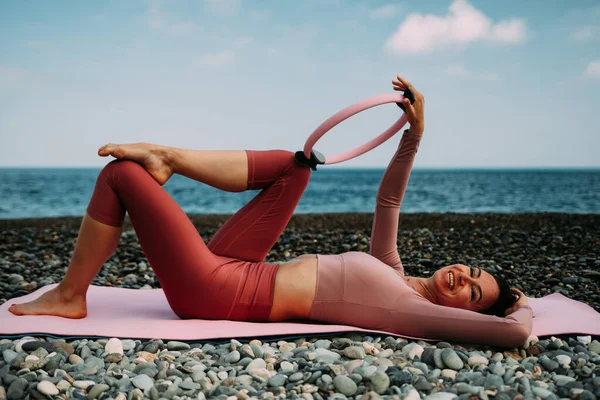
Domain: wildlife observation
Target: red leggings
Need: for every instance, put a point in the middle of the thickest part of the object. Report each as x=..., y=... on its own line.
x=228, y=278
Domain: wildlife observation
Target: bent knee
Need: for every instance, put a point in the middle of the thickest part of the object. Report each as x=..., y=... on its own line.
x=298, y=170
x=120, y=167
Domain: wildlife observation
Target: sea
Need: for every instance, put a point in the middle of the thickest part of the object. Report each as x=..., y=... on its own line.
x=57, y=192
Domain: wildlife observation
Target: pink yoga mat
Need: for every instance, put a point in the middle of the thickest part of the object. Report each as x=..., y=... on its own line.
x=130, y=313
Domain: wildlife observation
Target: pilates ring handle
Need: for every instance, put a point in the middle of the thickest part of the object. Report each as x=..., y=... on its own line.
x=410, y=96
x=311, y=158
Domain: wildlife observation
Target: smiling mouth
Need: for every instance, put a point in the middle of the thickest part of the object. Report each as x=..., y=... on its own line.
x=450, y=280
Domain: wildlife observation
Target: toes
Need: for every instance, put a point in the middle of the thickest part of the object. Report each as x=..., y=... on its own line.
x=117, y=152
x=104, y=149
x=15, y=309
x=112, y=149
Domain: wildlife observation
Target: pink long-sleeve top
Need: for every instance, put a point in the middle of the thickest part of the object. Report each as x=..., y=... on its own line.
x=430, y=320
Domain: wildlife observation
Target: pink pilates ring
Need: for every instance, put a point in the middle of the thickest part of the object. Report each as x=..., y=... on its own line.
x=347, y=113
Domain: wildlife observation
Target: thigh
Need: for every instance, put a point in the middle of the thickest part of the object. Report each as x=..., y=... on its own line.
x=251, y=232
x=175, y=250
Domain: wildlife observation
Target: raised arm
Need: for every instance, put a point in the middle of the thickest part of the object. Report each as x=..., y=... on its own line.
x=384, y=232
x=431, y=321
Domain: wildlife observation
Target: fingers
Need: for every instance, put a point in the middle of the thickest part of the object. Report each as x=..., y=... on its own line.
x=405, y=82
x=509, y=311
x=410, y=109
x=401, y=84
x=521, y=299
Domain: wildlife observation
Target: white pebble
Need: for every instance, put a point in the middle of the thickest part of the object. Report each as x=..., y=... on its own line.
x=114, y=345
x=584, y=340
x=369, y=348
x=19, y=343
x=411, y=350
x=257, y=363
x=287, y=347
x=449, y=373
x=383, y=362
x=63, y=385
x=531, y=340
x=47, y=388
x=223, y=375
x=263, y=373
x=83, y=384
x=308, y=388
x=478, y=360
x=564, y=360
x=412, y=394
x=128, y=344
x=441, y=396
x=286, y=365
x=32, y=358
x=385, y=353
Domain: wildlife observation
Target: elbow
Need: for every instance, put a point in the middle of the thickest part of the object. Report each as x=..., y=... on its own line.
x=518, y=335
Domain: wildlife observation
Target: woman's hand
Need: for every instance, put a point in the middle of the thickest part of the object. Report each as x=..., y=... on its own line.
x=520, y=302
x=414, y=112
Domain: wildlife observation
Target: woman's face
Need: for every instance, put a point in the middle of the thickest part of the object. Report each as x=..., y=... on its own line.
x=460, y=286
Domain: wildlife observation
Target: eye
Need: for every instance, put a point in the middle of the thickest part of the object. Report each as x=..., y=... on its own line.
x=471, y=271
x=473, y=294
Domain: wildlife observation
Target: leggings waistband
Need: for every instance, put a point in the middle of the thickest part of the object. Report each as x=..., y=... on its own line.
x=330, y=284
x=254, y=299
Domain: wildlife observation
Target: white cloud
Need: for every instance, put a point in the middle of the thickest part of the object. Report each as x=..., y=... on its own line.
x=159, y=20
x=511, y=31
x=462, y=72
x=215, y=60
x=385, y=11
x=463, y=24
x=586, y=33
x=592, y=70
x=223, y=8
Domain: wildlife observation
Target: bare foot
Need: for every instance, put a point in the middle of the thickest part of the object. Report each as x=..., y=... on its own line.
x=53, y=302
x=152, y=157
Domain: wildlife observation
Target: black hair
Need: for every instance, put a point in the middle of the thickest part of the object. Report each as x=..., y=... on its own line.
x=506, y=298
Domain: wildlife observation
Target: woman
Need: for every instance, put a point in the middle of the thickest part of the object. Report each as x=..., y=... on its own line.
x=228, y=278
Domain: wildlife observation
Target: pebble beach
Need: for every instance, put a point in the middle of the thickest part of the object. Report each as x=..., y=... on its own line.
x=539, y=253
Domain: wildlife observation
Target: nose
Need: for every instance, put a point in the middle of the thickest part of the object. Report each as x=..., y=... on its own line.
x=465, y=279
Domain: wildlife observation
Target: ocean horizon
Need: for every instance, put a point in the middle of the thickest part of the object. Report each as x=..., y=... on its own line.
x=38, y=192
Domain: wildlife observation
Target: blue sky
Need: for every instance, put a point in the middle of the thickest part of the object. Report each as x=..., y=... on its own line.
x=507, y=83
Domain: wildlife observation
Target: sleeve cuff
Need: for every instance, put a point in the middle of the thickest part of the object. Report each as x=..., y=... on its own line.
x=409, y=132
x=527, y=306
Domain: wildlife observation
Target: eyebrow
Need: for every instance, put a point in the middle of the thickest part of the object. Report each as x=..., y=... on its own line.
x=479, y=287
